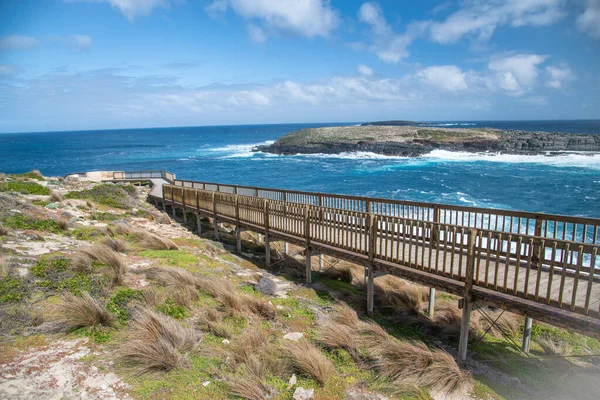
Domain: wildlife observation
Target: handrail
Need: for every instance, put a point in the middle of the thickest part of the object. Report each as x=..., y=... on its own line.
x=145, y=174
x=556, y=226
x=550, y=271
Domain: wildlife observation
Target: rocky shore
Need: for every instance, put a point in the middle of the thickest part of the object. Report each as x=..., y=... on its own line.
x=414, y=141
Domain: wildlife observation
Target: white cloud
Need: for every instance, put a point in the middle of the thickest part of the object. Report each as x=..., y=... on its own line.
x=257, y=34
x=389, y=46
x=479, y=19
x=446, y=77
x=558, y=76
x=7, y=70
x=79, y=42
x=589, y=21
x=309, y=18
x=132, y=8
x=364, y=70
x=522, y=67
x=17, y=42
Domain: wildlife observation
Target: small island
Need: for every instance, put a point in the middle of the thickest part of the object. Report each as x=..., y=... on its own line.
x=412, y=140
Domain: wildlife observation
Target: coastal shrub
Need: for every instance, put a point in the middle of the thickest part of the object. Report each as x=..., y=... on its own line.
x=156, y=343
x=26, y=222
x=106, y=194
x=12, y=289
x=24, y=188
x=121, y=303
x=173, y=310
x=54, y=273
x=87, y=233
x=35, y=174
x=82, y=311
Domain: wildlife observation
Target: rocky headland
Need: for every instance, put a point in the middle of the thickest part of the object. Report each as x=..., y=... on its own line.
x=414, y=141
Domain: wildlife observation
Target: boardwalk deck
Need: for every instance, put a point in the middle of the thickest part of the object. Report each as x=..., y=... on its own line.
x=543, y=266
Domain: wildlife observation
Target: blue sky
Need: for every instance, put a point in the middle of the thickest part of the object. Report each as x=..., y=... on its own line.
x=99, y=64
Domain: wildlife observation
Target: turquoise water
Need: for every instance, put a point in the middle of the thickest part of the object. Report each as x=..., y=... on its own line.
x=567, y=184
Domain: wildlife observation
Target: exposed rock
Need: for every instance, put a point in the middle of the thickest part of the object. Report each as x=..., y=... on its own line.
x=293, y=380
x=293, y=336
x=303, y=394
x=272, y=286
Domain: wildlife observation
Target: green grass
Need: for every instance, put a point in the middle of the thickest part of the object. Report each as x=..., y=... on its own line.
x=106, y=216
x=53, y=274
x=13, y=289
x=87, y=233
x=183, y=383
x=28, y=175
x=108, y=195
x=173, y=310
x=175, y=258
x=579, y=344
x=24, y=188
x=120, y=303
x=25, y=222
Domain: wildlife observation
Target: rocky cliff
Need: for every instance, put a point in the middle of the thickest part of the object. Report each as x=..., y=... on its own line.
x=413, y=141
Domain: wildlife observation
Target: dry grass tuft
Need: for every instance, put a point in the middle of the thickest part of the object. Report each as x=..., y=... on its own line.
x=149, y=241
x=553, y=347
x=157, y=342
x=249, y=343
x=211, y=321
x=170, y=276
x=62, y=223
x=108, y=257
x=183, y=296
x=393, y=293
x=118, y=245
x=3, y=230
x=339, y=272
x=345, y=315
x=306, y=358
x=82, y=311
x=56, y=196
x=36, y=173
x=336, y=336
x=414, y=364
x=151, y=297
x=81, y=262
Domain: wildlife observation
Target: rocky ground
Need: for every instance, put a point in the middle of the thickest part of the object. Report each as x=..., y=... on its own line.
x=414, y=141
x=103, y=296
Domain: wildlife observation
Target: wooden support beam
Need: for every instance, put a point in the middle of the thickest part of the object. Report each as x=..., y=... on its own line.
x=465, y=324
x=238, y=234
x=321, y=262
x=199, y=224
x=267, y=250
x=216, y=229
x=184, y=215
x=431, y=306
x=527, y=334
x=370, y=290
x=286, y=249
x=467, y=299
x=308, y=272
x=259, y=237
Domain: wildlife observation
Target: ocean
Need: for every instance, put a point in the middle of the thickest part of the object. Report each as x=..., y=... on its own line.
x=565, y=184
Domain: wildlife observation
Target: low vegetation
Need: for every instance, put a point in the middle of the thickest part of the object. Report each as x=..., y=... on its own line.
x=108, y=195
x=24, y=188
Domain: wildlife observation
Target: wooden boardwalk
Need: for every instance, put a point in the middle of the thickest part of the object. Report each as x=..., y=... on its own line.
x=542, y=266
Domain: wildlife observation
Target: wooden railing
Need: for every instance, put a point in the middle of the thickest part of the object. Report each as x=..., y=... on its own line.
x=535, y=265
x=149, y=174
x=566, y=228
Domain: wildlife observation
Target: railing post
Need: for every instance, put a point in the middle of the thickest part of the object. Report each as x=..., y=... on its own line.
x=238, y=229
x=435, y=233
x=173, y=202
x=467, y=300
x=267, y=236
x=537, y=250
x=183, y=205
x=215, y=224
x=307, y=241
x=369, y=268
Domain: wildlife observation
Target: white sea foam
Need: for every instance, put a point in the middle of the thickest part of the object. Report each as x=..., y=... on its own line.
x=355, y=155
x=578, y=160
x=240, y=150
